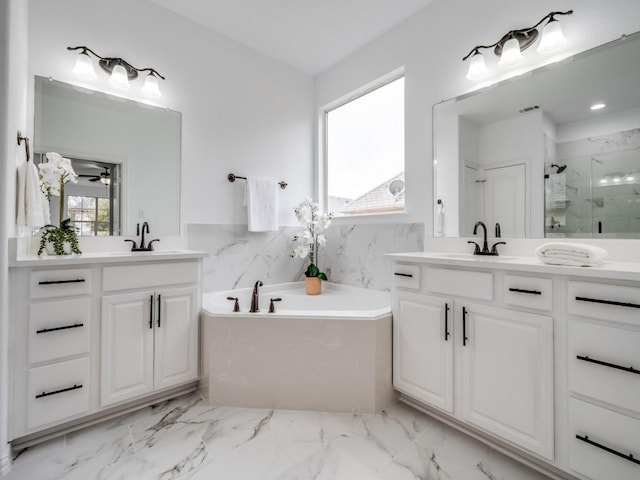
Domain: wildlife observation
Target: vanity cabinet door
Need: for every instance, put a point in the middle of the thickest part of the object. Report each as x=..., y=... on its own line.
x=507, y=375
x=423, y=348
x=127, y=347
x=176, y=337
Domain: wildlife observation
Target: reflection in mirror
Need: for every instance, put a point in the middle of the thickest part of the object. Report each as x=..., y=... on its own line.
x=126, y=154
x=532, y=155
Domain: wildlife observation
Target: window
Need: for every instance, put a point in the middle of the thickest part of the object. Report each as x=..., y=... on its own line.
x=365, y=152
x=90, y=215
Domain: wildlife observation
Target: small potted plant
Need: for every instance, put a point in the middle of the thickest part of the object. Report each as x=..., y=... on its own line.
x=310, y=240
x=54, y=174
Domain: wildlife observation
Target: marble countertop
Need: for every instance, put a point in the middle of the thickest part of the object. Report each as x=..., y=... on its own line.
x=606, y=270
x=104, y=257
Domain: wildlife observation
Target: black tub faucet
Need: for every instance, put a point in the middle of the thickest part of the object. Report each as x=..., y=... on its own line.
x=255, y=296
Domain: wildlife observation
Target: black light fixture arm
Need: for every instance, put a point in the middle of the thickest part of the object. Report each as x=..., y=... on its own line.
x=107, y=63
x=519, y=33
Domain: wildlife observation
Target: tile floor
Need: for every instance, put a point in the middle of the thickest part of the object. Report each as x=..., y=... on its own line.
x=187, y=439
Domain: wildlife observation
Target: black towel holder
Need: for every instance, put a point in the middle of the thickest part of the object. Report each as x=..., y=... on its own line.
x=26, y=144
x=232, y=178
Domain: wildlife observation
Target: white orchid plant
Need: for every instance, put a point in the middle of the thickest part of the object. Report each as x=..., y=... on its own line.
x=54, y=174
x=312, y=237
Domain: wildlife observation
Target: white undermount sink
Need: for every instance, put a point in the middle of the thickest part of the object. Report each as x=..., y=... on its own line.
x=476, y=258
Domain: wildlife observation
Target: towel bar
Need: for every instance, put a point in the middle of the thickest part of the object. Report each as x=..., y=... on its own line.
x=232, y=178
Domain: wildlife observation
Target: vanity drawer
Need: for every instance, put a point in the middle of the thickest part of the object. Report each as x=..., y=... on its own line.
x=460, y=283
x=58, y=329
x=529, y=292
x=609, y=430
x=57, y=392
x=599, y=361
x=605, y=302
x=60, y=282
x=406, y=276
x=126, y=277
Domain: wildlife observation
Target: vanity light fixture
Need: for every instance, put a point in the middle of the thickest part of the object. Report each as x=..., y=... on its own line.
x=121, y=72
x=510, y=47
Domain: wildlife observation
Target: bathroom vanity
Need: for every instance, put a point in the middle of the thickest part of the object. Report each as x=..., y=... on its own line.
x=95, y=335
x=539, y=361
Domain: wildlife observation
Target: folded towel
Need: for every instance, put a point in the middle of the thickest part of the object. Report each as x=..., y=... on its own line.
x=571, y=254
x=32, y=206
x=262, y=204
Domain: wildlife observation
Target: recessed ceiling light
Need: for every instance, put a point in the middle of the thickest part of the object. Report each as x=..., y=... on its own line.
x=603, y=180
x=616, y=179
x=630, y=178
x=598, y=106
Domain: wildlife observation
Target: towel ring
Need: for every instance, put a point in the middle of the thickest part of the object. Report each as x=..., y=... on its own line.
x=26, y=144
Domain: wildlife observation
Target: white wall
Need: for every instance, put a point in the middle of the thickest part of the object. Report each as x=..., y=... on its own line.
x=13, y=117
x=242, y=112
x=431, y=45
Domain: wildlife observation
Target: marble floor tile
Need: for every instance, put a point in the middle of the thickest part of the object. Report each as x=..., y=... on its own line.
x=186, y=439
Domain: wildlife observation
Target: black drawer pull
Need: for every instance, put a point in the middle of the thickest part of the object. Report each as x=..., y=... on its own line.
x=629, y=457
x=607, y=364
x=159, y=309
x=464, y=327
x=66, y=327
x=446, y=322
x=55, y=392
x=608, y=302
x=56, y=282
x=522, y=290
x=408, y=275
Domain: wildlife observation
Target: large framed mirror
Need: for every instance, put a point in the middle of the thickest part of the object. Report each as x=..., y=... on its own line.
x=126, y=155
x=537, y=156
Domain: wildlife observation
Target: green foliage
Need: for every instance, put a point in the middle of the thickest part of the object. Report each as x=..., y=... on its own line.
x=57, y=236
x=314, y=271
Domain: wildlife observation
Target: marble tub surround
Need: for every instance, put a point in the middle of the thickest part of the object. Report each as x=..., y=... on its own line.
x=330, y=352
x=186, y=439
x=354, y=254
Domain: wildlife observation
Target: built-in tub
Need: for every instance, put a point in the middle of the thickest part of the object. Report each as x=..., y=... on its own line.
x=328, y=352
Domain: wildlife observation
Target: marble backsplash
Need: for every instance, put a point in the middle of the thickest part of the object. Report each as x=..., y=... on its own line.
x=354, y=254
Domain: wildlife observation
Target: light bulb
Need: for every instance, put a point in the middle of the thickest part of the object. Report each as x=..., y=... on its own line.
x=552, y=37
x=150, y=87
x=119, y=77
x=477, y=67
x=84, y=67
x=511, y=54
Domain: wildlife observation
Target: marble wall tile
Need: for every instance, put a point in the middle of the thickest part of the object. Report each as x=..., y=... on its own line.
x=354, y=254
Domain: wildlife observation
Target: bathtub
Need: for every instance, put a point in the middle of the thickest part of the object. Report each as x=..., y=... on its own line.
x=328, y=352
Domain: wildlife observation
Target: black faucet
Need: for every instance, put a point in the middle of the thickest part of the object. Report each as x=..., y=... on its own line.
x=255, y=296
x=485, y=246
x=142, y=247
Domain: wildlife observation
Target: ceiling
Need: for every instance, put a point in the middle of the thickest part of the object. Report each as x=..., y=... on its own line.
x=308, y=35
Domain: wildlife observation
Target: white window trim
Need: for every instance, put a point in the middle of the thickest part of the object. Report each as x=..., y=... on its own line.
x=322, y=193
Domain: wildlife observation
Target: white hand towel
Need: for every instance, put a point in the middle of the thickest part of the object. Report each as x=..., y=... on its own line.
x=262, y=204
x=571, y=254
x=31, y=208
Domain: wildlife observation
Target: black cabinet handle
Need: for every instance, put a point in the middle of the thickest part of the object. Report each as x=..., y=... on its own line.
x=464, y=326
x=55, y=329
x=446, y=322
x=522, y=290
x=55, y=392
x=150, y=311
x=159, y=308
x=608, y=302
x=57, y=282
x=398, y=274
x=629, y=456
x=585, y=358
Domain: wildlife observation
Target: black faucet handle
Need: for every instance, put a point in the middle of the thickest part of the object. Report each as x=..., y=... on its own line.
x=134, y=245
x=272, y=307
x=236, y=305
x=476, y=250
x=150, y=244
x=494, y=248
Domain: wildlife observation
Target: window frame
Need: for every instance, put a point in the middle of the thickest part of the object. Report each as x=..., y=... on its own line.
x=322, y=170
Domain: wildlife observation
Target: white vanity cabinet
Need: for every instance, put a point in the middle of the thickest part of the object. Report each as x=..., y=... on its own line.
x=150, y=337
x=90, y=338
x=496, y=362
x=604, y=380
